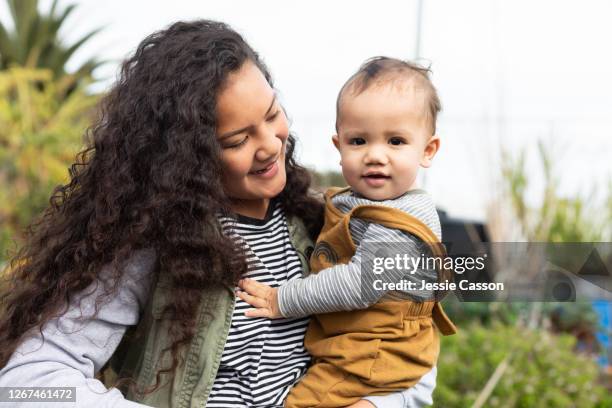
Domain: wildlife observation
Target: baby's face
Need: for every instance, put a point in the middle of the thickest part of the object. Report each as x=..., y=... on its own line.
x=383, y=138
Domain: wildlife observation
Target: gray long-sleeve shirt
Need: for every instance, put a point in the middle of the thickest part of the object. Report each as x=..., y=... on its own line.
x=76, y=346
x=350, y=286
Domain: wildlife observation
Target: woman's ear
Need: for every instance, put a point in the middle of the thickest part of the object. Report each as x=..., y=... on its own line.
x=431, y=148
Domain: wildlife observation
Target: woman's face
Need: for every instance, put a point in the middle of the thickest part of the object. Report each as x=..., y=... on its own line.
x=252, y=130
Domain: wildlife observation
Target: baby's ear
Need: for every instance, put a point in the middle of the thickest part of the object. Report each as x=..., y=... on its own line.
x=336, y=141
x=431, y=148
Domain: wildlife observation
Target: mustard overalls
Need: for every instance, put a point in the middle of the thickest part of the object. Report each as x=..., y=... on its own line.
x=385, y=348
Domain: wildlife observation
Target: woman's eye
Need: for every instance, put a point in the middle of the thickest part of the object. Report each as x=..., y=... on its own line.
x=396, y=141
x=356, y=141
x=235, y=145
x=273, y=116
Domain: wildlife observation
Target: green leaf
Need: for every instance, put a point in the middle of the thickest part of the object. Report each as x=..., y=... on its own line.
x=34, y=42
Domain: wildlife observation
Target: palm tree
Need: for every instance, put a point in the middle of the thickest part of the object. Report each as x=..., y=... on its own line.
x=34, y=42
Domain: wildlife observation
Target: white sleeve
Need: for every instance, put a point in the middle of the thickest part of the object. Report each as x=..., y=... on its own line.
x=418, y=396
x=76, y=346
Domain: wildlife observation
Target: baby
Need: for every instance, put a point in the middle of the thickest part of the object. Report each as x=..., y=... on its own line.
x=365, y=339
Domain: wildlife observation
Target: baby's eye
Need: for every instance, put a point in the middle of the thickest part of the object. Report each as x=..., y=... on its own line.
x=396, y=141
x=356, y=141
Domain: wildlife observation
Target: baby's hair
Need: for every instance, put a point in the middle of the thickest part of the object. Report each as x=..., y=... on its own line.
x=383, y=70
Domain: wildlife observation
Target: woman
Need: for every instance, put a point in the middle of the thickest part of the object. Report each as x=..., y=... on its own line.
x=188, y=183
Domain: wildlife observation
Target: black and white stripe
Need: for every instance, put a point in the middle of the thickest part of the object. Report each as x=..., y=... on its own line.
x=262, y=358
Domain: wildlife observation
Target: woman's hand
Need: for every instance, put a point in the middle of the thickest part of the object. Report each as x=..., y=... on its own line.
x=261, y=296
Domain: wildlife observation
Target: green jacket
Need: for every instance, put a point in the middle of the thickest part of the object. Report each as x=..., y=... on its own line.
x=194, y=379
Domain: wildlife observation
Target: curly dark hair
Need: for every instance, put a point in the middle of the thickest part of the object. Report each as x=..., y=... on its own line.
x=149, y=177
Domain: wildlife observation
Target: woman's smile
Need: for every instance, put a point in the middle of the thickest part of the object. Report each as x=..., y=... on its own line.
x=267, y=172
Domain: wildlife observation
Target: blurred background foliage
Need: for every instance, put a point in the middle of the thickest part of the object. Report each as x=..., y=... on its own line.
x=34, y=41
x=556, y=217
x=325, y=179
x=44, y=112
x=542, y=369
x=40, y=134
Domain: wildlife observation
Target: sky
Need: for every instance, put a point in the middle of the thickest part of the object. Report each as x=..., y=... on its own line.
x=509, y=73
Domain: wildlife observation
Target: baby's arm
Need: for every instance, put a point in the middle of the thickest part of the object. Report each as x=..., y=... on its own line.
x=342, y=287
x=74, y=350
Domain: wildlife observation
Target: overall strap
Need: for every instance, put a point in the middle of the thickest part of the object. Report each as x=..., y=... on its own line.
x=397, y=219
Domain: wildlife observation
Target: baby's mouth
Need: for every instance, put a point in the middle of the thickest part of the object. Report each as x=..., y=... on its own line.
x=375, y=179
x=376, y=176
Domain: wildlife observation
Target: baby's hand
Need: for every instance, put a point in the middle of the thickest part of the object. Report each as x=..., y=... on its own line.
x=260, y=295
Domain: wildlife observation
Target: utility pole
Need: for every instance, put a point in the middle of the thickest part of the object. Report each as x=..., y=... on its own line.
x=417, y=55
x=419, y=16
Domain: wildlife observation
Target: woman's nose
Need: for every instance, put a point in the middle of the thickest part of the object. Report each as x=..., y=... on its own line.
x=269, y=146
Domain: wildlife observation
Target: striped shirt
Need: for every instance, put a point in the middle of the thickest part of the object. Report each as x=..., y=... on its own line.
x=349, y=286
x=262, y=358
